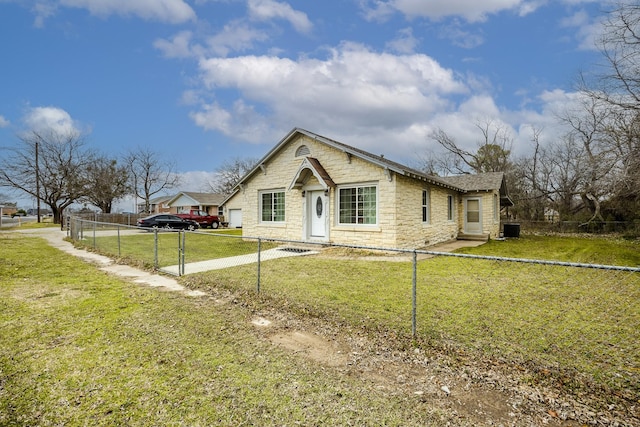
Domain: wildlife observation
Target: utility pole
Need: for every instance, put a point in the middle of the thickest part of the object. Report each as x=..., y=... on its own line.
x=37, y=184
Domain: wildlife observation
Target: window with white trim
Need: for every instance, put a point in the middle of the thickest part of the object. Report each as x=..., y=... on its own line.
x=358, y=205
x=272, y=206
x=496, y=208
x=450, y=208
x=426, y=206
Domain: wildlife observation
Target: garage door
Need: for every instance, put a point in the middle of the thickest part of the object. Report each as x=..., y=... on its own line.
x=235, y=218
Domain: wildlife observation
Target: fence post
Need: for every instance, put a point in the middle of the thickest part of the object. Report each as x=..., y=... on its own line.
x=155, y=249
x=179, y=256
x=119, y=252
x=258, y=282
x=184, y=242
x=414, y=295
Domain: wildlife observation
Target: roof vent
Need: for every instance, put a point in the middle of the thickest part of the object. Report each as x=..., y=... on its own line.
x=303, y=150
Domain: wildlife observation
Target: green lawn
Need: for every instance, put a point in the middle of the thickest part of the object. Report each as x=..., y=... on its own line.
x=79, y=347
x=584, y=323
x=141, y=246
x=65, y=327
x=593, y=250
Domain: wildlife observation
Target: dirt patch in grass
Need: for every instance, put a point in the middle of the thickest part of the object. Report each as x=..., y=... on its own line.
x=312, y=346
x=477, y=392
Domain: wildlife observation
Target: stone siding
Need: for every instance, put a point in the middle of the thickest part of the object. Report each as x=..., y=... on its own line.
x=399, y=201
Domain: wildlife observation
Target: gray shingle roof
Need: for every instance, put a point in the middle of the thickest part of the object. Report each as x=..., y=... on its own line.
x=476, y=182
x=462, y=183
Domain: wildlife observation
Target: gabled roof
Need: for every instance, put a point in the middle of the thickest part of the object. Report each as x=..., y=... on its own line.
x=312, y=166
x=158, y=200
x=203, y=199
x=352, y=151
x=461, y=183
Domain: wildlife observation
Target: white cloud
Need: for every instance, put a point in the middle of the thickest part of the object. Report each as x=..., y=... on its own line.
x=241, y=122
x=4, y=122
x=213, y=117
x=264, y=10
x=405, y=42
x=177, y=47
x=390, y=95
x=236, y=36
x=43, y=10
x=470, y=10
x=388, y=107
x=45, y=119
x=460, y=37
x=197, y=180
x=171, y=11
x=343, y=69
x=588, y=30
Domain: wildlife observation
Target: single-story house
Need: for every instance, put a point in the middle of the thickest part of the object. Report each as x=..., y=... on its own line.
x=156, y=205
x=315, y=189
x=186, y=200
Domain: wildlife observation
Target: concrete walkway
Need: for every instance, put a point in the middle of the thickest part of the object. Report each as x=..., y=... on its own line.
x=218, y=264
x=55, y=237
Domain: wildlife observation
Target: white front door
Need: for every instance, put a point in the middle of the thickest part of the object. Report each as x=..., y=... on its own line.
x=317, y=214
x=473, y=216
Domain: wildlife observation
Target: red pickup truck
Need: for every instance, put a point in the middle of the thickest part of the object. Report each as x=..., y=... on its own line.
x=201, y=217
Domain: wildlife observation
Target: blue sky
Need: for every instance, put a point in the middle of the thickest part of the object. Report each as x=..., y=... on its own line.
x=207, y=80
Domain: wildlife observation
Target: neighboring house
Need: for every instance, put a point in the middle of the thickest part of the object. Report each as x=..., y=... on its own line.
x=312, y=188
x=9, y=209
x=187, y=200
x=156, y=205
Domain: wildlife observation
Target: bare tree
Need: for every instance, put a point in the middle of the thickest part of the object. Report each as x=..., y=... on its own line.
x=230, y=172
x=563, y=163
x=588, y=126
x=108, y=182
x=58, y=176
x=492, y=155
x=624, y=134
x=149, y=174
x=612, y=146
x=619, y=83
x=529, y=182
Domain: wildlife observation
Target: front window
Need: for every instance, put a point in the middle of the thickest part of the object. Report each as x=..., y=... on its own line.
x=426, y=206
x=272, y=206
x=450, y=207
x=358, y=205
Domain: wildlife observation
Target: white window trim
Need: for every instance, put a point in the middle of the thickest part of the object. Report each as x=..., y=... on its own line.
x=358, y=185
x=273, y=191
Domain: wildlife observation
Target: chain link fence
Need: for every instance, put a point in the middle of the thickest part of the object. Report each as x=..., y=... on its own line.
x=581, y=317
x=629, y=228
